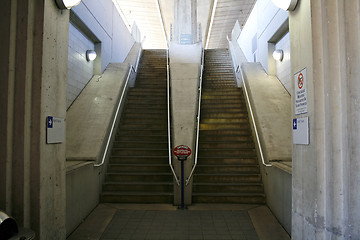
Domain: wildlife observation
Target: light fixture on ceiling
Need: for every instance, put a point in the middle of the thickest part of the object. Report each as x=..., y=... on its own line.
x=67, y=4
x=278, y=55
x=90, y=55
x=287, y=5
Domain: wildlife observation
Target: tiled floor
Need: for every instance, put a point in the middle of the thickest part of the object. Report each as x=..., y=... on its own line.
x=136, y=221
x=162, y=224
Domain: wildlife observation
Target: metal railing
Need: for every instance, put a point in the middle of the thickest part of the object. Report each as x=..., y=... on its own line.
x=253, y=120
x=249, y=106
x=168, y=120
x=131, y=69
x=198, y=120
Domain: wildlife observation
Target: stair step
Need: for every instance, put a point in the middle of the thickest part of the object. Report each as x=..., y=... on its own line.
x=137, y=143
x=146, y=135
x=144, y=120
x=227, y=178
x=137, y=198
x=221, y=169
x=250, y=152
x=139, y=159
x=226, y=133
x=228, y=170
x=137, y=177
x=138, y=187
x=139, y=152
x=229, y=198
x=226, y=144
x=144, y=126
x=127, y=167
x=228, y=187
x=214, y=126
x=228, y=120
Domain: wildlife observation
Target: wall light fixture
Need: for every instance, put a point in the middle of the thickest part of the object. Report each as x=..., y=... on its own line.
x=278, y=55
x=90, y=55
x=287, y=5
x=67, y=4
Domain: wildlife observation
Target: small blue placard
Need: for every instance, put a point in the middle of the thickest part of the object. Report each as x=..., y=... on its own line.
x=294, y=124
x=301, y=130
x=50, y=122
x=55, y=129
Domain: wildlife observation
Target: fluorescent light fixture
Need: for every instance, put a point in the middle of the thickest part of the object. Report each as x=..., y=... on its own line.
x=278, y=55
x=287, y=5
x=67, y=4
x=90, y=55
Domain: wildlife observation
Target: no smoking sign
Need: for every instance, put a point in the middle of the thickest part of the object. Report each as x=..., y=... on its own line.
x=301, y=100
x=300, y=81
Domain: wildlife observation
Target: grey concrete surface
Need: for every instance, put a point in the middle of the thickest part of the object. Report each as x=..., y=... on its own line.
x=326, y=196
x=184, y=69
x=161, y=221
x=89, y=118
x=88, y=122
x=271, y=107
x=272, y=111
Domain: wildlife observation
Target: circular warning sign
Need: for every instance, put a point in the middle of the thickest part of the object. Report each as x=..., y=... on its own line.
x=300, y=81
x=182, y=152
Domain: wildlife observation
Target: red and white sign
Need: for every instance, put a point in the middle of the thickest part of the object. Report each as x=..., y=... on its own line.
x=301, y=99
x=182, y=151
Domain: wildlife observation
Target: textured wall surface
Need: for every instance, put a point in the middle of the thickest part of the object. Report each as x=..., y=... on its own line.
x=80, y=71
x=283, y=68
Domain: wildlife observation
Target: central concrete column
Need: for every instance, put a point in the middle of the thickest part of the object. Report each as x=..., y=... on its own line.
x=185, y=21
x=325, y=39
x=34, y=70
x=184, y=69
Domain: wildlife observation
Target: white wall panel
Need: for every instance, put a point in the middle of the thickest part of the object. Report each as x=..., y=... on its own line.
x=248, y=33
x=103, y=20
x=80, y=71
x=283, y=68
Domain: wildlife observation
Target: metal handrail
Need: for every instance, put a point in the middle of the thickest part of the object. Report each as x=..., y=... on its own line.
x=115, y=117
x=198, y=121
x=253, y=121
x=137, y=61
x=131, y=68
x=168, y=120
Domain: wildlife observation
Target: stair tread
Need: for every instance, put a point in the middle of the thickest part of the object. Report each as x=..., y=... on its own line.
x=228, y=194
x=136, y=193
x=228, y=184
x=140, y=173
x=135, y=183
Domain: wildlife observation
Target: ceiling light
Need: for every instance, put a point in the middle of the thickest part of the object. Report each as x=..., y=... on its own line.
x=90, y=55
x=278, y=55
x=67, y=4
x=287, y=5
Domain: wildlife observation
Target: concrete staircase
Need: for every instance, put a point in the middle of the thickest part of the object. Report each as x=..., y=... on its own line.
x=227, y=170
x=138, y=170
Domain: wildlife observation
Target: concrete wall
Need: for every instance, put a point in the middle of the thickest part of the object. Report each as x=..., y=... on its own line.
x=94, y=109
x=283, y=68
x=95, y=25
x=80, y=71
x=104, y=21
x=326, y=41
x=34, y=70
x=185, y=62
x=270, y=104
x=265, y=22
